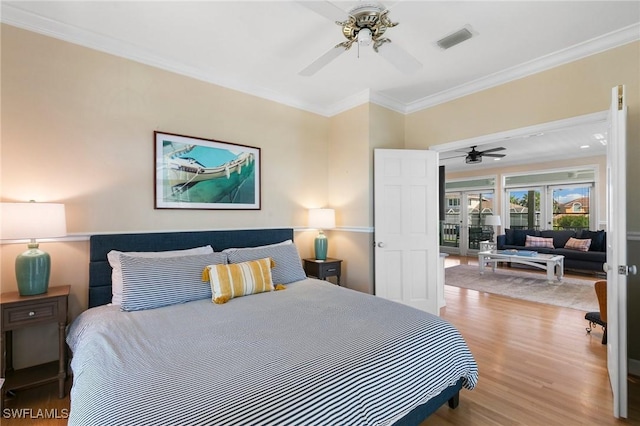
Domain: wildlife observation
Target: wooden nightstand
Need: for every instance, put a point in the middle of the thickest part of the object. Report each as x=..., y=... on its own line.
x=322, y=269
x=25, y=311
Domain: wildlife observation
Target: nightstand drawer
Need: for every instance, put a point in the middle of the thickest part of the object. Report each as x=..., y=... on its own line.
x=322, y=269
x=45, y=311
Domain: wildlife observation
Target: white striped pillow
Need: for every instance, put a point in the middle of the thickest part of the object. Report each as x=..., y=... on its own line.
x=285, y=255
x=239, y=279
x=116, y=274
x=149, y=283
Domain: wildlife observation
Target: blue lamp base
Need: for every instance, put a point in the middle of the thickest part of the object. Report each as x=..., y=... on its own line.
x=321, y=245
x=33, y=268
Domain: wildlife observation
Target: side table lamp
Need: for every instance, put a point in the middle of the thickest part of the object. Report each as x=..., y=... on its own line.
x=32, y=220
x=493, y=221
x=321, y=219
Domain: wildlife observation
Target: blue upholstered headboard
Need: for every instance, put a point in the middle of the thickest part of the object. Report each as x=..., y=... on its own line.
x=100, y=245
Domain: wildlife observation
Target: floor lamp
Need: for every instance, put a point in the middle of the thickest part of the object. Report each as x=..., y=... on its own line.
x=493, y=221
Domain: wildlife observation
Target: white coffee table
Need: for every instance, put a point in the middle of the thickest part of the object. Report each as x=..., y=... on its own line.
x=554, y=264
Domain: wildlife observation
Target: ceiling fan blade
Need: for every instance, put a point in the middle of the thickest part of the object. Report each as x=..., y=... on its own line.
x=493, y=150
x=326, y=9
x=322, y=61
x=494, y=155
x=399, y=58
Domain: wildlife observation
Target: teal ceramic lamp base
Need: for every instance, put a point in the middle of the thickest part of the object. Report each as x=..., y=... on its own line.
x=33, y=268
x=321, y=245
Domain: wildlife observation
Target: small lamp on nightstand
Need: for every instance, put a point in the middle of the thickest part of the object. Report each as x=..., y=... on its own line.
x=32, y=220
x=321, y=219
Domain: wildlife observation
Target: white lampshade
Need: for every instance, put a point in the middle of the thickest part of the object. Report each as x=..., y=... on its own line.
x=322, y=218
x=492, y=220
x=32, y=221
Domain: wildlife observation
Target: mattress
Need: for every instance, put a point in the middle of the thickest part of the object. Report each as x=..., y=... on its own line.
x=314, y=353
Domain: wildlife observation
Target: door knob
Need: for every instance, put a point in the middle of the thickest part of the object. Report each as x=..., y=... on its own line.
x=622, y=269
x=381, y=245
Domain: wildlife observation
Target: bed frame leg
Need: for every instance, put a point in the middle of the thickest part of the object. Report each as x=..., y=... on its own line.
x=454, y=400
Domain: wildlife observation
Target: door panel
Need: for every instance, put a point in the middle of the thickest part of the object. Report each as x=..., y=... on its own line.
x=617, y=252
x=406, y=227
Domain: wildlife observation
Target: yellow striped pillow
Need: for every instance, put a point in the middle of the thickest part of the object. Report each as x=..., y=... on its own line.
x=239, y=279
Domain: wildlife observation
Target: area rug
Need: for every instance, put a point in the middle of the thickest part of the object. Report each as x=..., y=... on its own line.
x=520, y=284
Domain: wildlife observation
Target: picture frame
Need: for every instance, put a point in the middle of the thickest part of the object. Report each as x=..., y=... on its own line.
x=198, y=173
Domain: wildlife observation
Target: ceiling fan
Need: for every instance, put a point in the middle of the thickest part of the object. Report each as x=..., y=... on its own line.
x=474, y=156
x=364, y=25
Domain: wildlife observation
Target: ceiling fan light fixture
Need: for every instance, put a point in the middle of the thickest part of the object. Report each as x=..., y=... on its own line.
x=469, y=159
x=364, y=37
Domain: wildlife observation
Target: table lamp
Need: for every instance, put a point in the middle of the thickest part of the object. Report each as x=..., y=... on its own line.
x=321, y=219
x=493, y=221
x=32, y=220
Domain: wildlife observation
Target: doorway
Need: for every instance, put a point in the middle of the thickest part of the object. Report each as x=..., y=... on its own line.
x=485, y=140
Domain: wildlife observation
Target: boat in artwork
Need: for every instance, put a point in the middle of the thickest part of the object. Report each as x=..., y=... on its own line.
x=219, y=183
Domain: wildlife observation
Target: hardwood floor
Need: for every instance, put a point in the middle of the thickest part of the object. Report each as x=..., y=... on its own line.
x=537, y=366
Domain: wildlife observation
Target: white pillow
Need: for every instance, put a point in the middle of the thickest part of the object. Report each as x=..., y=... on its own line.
x=116, y=275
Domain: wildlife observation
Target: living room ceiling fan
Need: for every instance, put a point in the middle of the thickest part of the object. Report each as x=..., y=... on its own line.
x=363, y=25
x=474, y=156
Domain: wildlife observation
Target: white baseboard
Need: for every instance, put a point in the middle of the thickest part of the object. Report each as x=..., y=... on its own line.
x=634, y=367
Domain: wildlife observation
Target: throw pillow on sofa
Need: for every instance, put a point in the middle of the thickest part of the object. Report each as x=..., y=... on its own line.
x=538, y=242
x=520, y=235
x=598, y=241
x=560, y=236
x=578, y=244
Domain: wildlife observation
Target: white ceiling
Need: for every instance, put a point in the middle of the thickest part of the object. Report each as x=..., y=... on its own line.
x=259, y=47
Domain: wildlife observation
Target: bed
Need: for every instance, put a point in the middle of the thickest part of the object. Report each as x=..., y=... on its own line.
x=312, y=353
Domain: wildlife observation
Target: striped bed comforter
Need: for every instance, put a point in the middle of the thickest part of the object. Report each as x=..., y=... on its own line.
x=313, y=354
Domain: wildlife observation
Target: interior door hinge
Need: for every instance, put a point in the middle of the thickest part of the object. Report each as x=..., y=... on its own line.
x=620, y=98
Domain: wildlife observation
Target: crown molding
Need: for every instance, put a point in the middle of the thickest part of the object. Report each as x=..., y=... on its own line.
x=348, y=103
x=582, y=50
x=14, y=16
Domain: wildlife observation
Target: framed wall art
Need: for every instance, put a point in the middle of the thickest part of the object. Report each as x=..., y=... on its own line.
x=196, y=173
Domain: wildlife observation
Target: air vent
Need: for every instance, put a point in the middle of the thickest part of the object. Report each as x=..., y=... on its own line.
x=455, y=38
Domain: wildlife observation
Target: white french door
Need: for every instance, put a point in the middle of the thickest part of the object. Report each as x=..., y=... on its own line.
x=464, y=226
x=616, y=266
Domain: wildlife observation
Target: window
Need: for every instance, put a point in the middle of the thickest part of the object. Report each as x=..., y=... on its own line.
x=571, y=206
x=551, y=200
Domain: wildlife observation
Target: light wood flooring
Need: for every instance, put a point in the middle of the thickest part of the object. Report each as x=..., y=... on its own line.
x=537, y=366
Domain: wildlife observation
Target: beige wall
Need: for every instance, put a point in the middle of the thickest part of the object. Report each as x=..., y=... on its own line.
x=353, y=135
x=77, y=128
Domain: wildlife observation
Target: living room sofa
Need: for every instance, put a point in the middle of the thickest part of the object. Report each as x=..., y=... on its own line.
x=591, y=260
